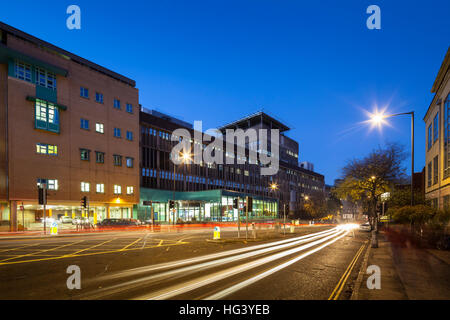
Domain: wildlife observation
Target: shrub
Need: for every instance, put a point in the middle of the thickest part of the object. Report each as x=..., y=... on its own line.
x=415, y=215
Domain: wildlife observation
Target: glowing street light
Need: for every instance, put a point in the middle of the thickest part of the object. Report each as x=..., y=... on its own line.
x=274, y=186
x=378, y=118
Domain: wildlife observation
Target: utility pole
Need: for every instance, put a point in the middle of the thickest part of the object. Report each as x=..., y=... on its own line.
x=246, y=220
x=45, y=203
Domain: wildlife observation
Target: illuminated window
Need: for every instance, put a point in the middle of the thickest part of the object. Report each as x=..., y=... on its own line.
x=129, y=162
x=85, y=186
x=117, y=189
x=99, y=127
x=52, y=184
x=130, y=190
x=44, y=148
x=46, y=116
x=100, y=188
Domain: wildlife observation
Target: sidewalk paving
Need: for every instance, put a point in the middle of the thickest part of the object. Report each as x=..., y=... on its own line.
x=407, y=273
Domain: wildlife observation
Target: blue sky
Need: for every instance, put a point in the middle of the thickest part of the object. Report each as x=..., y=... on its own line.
x=312, y=64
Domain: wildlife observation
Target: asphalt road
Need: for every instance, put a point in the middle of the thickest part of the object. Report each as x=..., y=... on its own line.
x=319, y=262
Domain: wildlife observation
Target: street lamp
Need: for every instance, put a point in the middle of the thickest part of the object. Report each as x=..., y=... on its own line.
x=184, y=157
x=379, y=118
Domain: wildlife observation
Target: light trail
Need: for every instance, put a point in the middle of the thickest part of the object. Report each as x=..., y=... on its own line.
x=267, y=273
x=167, y=265
x=208, y=279
x=202, y=266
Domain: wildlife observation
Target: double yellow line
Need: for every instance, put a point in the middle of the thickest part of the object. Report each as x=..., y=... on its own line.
x=337, y=291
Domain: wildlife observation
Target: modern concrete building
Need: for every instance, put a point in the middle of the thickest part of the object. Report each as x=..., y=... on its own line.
x=437, y=149
x=206, y=191
x=68, y=123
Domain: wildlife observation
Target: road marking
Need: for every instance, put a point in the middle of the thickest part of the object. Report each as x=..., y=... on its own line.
x=29, y=245
x=338, y=289
x=220, y=275
x=160, y=243
x=80, y=255
x=37, y=252
x=129, y=245
x=85, y=249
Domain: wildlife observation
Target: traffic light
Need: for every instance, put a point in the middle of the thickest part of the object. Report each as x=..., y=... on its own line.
x=249, y=203
x=236, y=203
x=84, y=202
x=287, y=207
x=171, y=204
x=41, y=195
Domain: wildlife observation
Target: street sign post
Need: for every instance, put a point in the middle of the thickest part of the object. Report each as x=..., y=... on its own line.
x=216, y=233
x=54, y=228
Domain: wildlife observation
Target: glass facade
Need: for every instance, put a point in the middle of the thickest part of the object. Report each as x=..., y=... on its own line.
x=215, y=206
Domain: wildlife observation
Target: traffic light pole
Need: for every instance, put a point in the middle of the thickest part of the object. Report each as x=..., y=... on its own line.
x=246, y=220
x=44, y=195
x=284, y=219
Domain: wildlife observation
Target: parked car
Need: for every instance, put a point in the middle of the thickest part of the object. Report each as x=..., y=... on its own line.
x=80, y=220
x=365, y=226
x=48, y=220
x=117, y=223
x=66, y=219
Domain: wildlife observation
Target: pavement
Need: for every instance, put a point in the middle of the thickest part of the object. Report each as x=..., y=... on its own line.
x=407, y=272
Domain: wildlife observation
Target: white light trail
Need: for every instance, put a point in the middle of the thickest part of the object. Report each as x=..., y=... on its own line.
x=208, y=279
x=202, y=266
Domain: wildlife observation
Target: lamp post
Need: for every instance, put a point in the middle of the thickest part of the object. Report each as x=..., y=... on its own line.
x=378, y=120
x=274, y=187
x=184, y=157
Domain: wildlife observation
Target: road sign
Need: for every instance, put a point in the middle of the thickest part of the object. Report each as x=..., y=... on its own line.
x=216, y=233
x=147, y=203
x=54, y=228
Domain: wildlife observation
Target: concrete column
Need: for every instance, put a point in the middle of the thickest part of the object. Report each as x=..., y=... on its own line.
x=13, y=216
x=121, y=212
x=108, y=211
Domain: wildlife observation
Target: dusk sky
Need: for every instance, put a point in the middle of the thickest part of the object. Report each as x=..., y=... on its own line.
x=312, y=64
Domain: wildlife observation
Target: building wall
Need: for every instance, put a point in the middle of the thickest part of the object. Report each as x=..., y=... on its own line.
x=157, y=170
x=26, y=165
x=439, y=191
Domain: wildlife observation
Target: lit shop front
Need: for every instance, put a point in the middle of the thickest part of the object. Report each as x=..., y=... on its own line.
x=202, y=206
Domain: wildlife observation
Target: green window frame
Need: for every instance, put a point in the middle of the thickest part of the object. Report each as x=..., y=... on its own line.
x=46, y=116
x=22, y=71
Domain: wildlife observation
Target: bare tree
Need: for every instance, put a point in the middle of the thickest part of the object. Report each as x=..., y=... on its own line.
x=367, y=178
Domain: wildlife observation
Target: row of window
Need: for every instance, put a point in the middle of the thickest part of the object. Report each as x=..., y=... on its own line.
x=100, y=128
x=44, y=78
x=433, y=131
x=84, y=92
x=433, y=172
x=85, y=155
x=100, y=188
x=52, y=184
